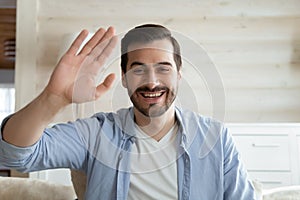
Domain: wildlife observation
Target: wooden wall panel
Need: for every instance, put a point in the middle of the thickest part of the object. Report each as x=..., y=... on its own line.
x=178, y=9
x=254, y=44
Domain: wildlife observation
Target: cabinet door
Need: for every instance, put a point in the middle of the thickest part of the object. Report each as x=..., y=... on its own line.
x=268, y=153
x=272, y=179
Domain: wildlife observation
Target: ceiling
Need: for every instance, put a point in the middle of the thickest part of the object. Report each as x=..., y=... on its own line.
x=7, y=33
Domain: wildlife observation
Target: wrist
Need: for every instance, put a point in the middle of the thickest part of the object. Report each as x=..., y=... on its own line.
x=54, y=101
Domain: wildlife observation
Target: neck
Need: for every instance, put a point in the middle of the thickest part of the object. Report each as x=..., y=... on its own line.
x=156, y=127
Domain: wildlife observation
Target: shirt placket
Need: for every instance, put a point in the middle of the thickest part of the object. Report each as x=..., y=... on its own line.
x=123, y=173
x=184, y=172
x=186, y=177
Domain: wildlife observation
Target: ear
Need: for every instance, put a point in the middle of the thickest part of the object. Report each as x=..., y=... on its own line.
x=124, y=82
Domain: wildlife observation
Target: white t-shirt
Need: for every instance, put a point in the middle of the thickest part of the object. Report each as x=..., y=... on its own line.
x=153, y=167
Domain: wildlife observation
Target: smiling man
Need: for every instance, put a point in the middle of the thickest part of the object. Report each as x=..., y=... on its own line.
x=148, y=151
x=151, y=76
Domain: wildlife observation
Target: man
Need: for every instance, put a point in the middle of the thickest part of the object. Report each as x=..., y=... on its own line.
x=153, y=150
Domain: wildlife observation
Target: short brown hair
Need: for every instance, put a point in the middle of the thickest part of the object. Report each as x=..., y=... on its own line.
x=145, y=34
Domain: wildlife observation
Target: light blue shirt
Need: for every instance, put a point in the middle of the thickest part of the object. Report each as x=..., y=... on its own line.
x=208, y=164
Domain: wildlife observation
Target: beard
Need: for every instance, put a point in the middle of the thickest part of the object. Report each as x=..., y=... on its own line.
x=155, y=109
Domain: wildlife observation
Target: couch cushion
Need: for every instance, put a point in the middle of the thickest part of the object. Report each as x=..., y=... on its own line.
x=31, y=189
x=288, y=192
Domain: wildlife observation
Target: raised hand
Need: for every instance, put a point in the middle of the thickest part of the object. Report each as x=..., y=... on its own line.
x=74, y=78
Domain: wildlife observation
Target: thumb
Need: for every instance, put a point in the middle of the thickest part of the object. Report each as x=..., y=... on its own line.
x=105, y=85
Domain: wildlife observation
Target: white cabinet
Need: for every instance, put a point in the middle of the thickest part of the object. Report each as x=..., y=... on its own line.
x=264, y=152
x=271, y=179
x=270, y=152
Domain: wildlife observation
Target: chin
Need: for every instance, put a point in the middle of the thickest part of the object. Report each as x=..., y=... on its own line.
x=153, y=110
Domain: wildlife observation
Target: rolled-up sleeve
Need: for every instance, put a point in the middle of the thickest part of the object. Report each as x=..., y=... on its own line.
x=12, y=156
x=59, y=147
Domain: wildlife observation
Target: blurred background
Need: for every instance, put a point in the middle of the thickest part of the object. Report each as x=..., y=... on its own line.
x=254, y=45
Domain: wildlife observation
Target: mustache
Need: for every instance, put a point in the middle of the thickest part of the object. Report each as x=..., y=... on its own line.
x=147, y=89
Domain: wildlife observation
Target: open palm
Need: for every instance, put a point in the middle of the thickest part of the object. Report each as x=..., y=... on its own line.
x=74, y=78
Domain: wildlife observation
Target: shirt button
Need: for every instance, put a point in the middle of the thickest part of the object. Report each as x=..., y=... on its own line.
x=186, y=195
x=133, y=139
x=120, y=156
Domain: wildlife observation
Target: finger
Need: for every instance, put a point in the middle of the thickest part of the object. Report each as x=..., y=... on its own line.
x=90, y=45
x=109, y=33
x=103, y=42
x=77, y=42
x=107, y=50
x=105, y=85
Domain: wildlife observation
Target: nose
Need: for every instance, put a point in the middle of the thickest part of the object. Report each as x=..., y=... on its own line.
x=152, y=79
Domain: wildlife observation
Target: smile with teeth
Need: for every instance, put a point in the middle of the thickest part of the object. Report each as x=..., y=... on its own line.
x=152, y=95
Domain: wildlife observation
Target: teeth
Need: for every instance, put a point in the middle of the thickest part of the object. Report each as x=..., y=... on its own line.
x=151, y=95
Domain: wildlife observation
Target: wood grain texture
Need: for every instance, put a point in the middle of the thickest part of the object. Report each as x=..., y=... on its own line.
x=253, y=45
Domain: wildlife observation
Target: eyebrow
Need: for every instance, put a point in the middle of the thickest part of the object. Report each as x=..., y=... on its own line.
x=164, y=63
x=143, y=64
x=137, y=63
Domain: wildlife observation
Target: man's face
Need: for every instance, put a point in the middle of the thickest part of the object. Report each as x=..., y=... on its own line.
x=151, y=77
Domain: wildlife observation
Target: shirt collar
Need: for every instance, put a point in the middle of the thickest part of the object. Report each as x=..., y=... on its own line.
x=190, y=125
x=185, y=134
x=186, y=122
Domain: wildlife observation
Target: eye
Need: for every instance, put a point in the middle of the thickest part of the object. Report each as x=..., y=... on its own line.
x=139, y=70
x=163, y=69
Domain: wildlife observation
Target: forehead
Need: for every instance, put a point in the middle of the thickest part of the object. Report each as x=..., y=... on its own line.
x=157, y=48
x=162, y=45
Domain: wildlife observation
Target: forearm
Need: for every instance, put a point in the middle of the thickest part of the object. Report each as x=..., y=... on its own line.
x=26, y=126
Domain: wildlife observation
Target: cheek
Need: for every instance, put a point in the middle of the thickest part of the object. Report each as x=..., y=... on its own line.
x=172, y=81
x=131, y=84
x=134, y=82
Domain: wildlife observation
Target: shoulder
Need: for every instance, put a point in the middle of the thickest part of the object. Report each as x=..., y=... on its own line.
x=100, y=122
x=202, y=131
x=202, y=123
x=112, y=117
